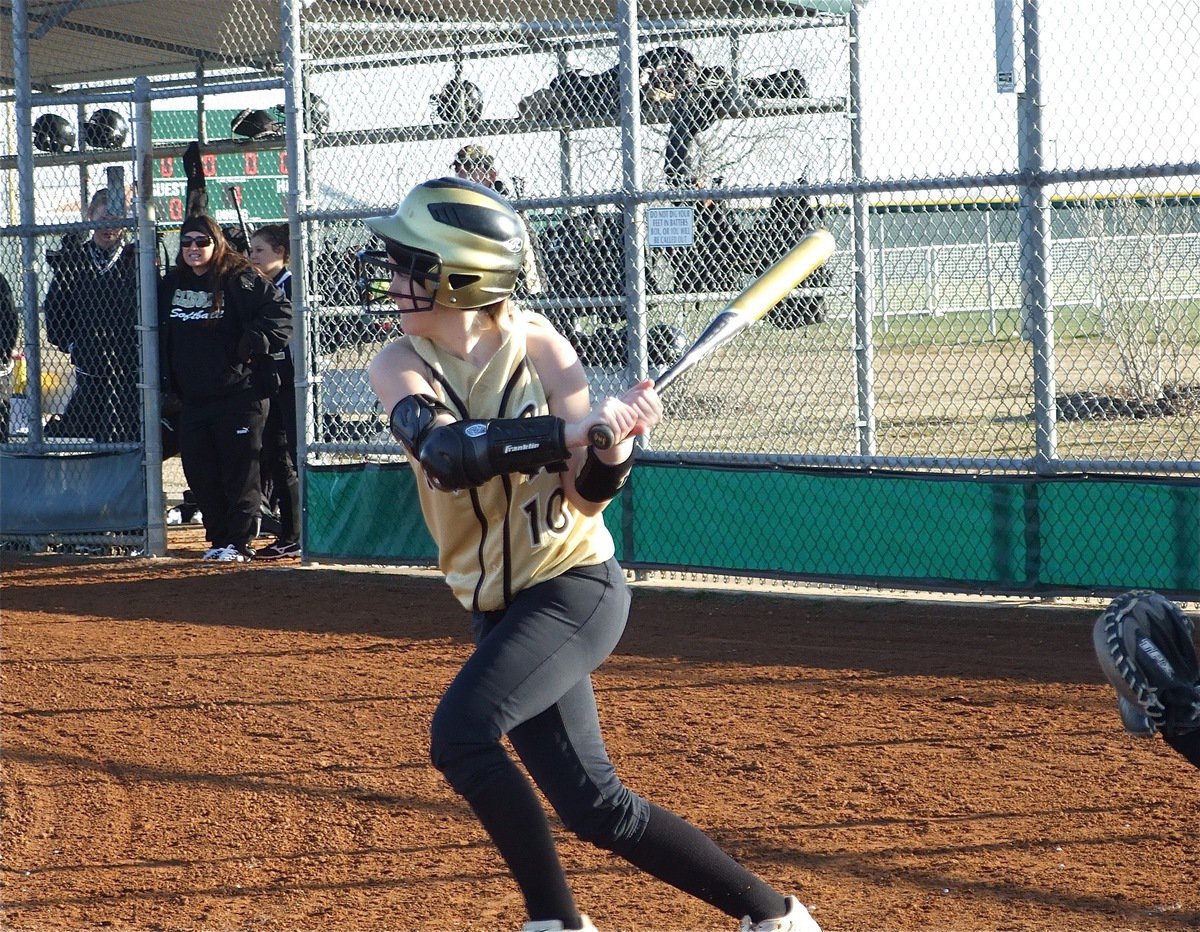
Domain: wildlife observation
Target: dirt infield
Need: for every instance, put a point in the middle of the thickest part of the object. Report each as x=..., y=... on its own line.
x=191, y=746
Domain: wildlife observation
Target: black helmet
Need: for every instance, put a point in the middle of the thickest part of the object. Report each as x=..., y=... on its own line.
x=459, y=102
x=255, y=123
x=52, y=133
x=105, y=129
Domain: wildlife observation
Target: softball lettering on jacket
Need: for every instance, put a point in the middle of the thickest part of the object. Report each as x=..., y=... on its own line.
x=192, y=305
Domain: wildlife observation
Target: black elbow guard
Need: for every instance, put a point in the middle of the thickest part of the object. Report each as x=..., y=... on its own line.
x=466, y=454
x=598, y=481
x=412, y=419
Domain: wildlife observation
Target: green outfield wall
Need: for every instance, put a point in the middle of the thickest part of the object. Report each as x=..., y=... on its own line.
x=941, y=532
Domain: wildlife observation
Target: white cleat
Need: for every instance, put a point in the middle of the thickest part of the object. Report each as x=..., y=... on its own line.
x=796, y=919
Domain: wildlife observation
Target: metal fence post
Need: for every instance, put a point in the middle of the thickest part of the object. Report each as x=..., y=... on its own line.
x=1037, y=304
x=143, y=144
x=864, y=349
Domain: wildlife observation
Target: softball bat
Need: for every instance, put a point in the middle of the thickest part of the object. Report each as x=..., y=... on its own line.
x=754, y=302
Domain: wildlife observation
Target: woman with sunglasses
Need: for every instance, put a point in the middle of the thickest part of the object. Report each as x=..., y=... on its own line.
x=220, y=322
x=492, y=407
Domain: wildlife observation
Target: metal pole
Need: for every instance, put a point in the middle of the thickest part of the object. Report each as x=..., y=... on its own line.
x=81, y=142
x=201, y=122
x=1037, y=302
x=24, y=114
x=882, y=276
x=633, y=215
x=566, y=160
x=988, y=265
x=143, y=210
x=633, y=211
x=297, y=201
x=864, y=351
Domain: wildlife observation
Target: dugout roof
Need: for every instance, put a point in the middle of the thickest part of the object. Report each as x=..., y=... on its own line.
x=86, y=42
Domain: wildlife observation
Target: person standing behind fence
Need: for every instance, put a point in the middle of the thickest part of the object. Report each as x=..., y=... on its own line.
x=91, y=311
x=10, y=327
x=475, y=163
x=221, y=322
x=269, y=254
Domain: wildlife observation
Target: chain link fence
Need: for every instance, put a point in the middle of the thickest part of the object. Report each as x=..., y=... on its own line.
x=1013, y=299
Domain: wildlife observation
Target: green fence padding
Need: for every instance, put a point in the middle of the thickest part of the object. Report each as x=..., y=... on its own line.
x=1120, y=533
x=993, y=533
x=365, y=512
x=827, y=524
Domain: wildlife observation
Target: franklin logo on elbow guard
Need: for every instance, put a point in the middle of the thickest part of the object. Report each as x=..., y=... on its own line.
x=519, y=447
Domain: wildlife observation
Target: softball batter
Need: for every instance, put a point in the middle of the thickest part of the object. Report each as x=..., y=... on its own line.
x=492, y=405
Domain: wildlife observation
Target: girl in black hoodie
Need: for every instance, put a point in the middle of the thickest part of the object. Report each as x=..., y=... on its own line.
x=221, y=322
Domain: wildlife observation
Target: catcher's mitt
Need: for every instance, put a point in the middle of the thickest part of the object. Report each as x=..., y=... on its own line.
x=1144, y=644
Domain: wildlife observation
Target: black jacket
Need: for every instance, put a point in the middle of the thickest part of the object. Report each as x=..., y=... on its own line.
x=208, y=357
x=91, y=308
x=9, y=324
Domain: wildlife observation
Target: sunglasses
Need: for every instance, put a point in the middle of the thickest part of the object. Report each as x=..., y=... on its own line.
x=202, y=241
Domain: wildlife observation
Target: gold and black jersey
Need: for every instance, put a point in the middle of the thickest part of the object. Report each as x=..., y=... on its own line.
x=514, y=530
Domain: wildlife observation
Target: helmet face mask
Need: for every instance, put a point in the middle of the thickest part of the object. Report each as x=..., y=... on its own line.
x=376, y=269
x=464, y=243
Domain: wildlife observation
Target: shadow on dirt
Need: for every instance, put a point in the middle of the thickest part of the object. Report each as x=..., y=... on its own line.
x=955, y=638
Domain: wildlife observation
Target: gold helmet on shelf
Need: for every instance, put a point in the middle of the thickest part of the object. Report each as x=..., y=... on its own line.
x=462, y=242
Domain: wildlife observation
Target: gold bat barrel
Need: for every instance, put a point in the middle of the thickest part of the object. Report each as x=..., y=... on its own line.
x=773, y=285
x=752, y=304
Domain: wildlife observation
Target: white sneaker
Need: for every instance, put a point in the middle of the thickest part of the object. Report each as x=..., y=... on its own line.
x=174, y=516
x=796, y=919
x=555, y=925
x=196, y=518
x=233, y=554
x=213, y=553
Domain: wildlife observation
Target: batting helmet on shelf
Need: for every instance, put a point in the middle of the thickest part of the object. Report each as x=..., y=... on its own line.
x=105, y=129
x=255, y=123
x=459, y=102
x=52, y=133
x=463, y=242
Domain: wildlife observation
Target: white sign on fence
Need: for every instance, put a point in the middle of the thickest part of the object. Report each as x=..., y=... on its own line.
x=670, y=226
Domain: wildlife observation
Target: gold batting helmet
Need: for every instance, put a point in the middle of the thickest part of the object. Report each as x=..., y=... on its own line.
x=463, y=242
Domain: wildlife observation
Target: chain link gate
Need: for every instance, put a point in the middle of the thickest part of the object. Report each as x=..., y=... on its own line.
x=993, y=384
x=81, y=417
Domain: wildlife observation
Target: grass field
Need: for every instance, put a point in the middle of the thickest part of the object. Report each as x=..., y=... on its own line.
x=942, y=386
